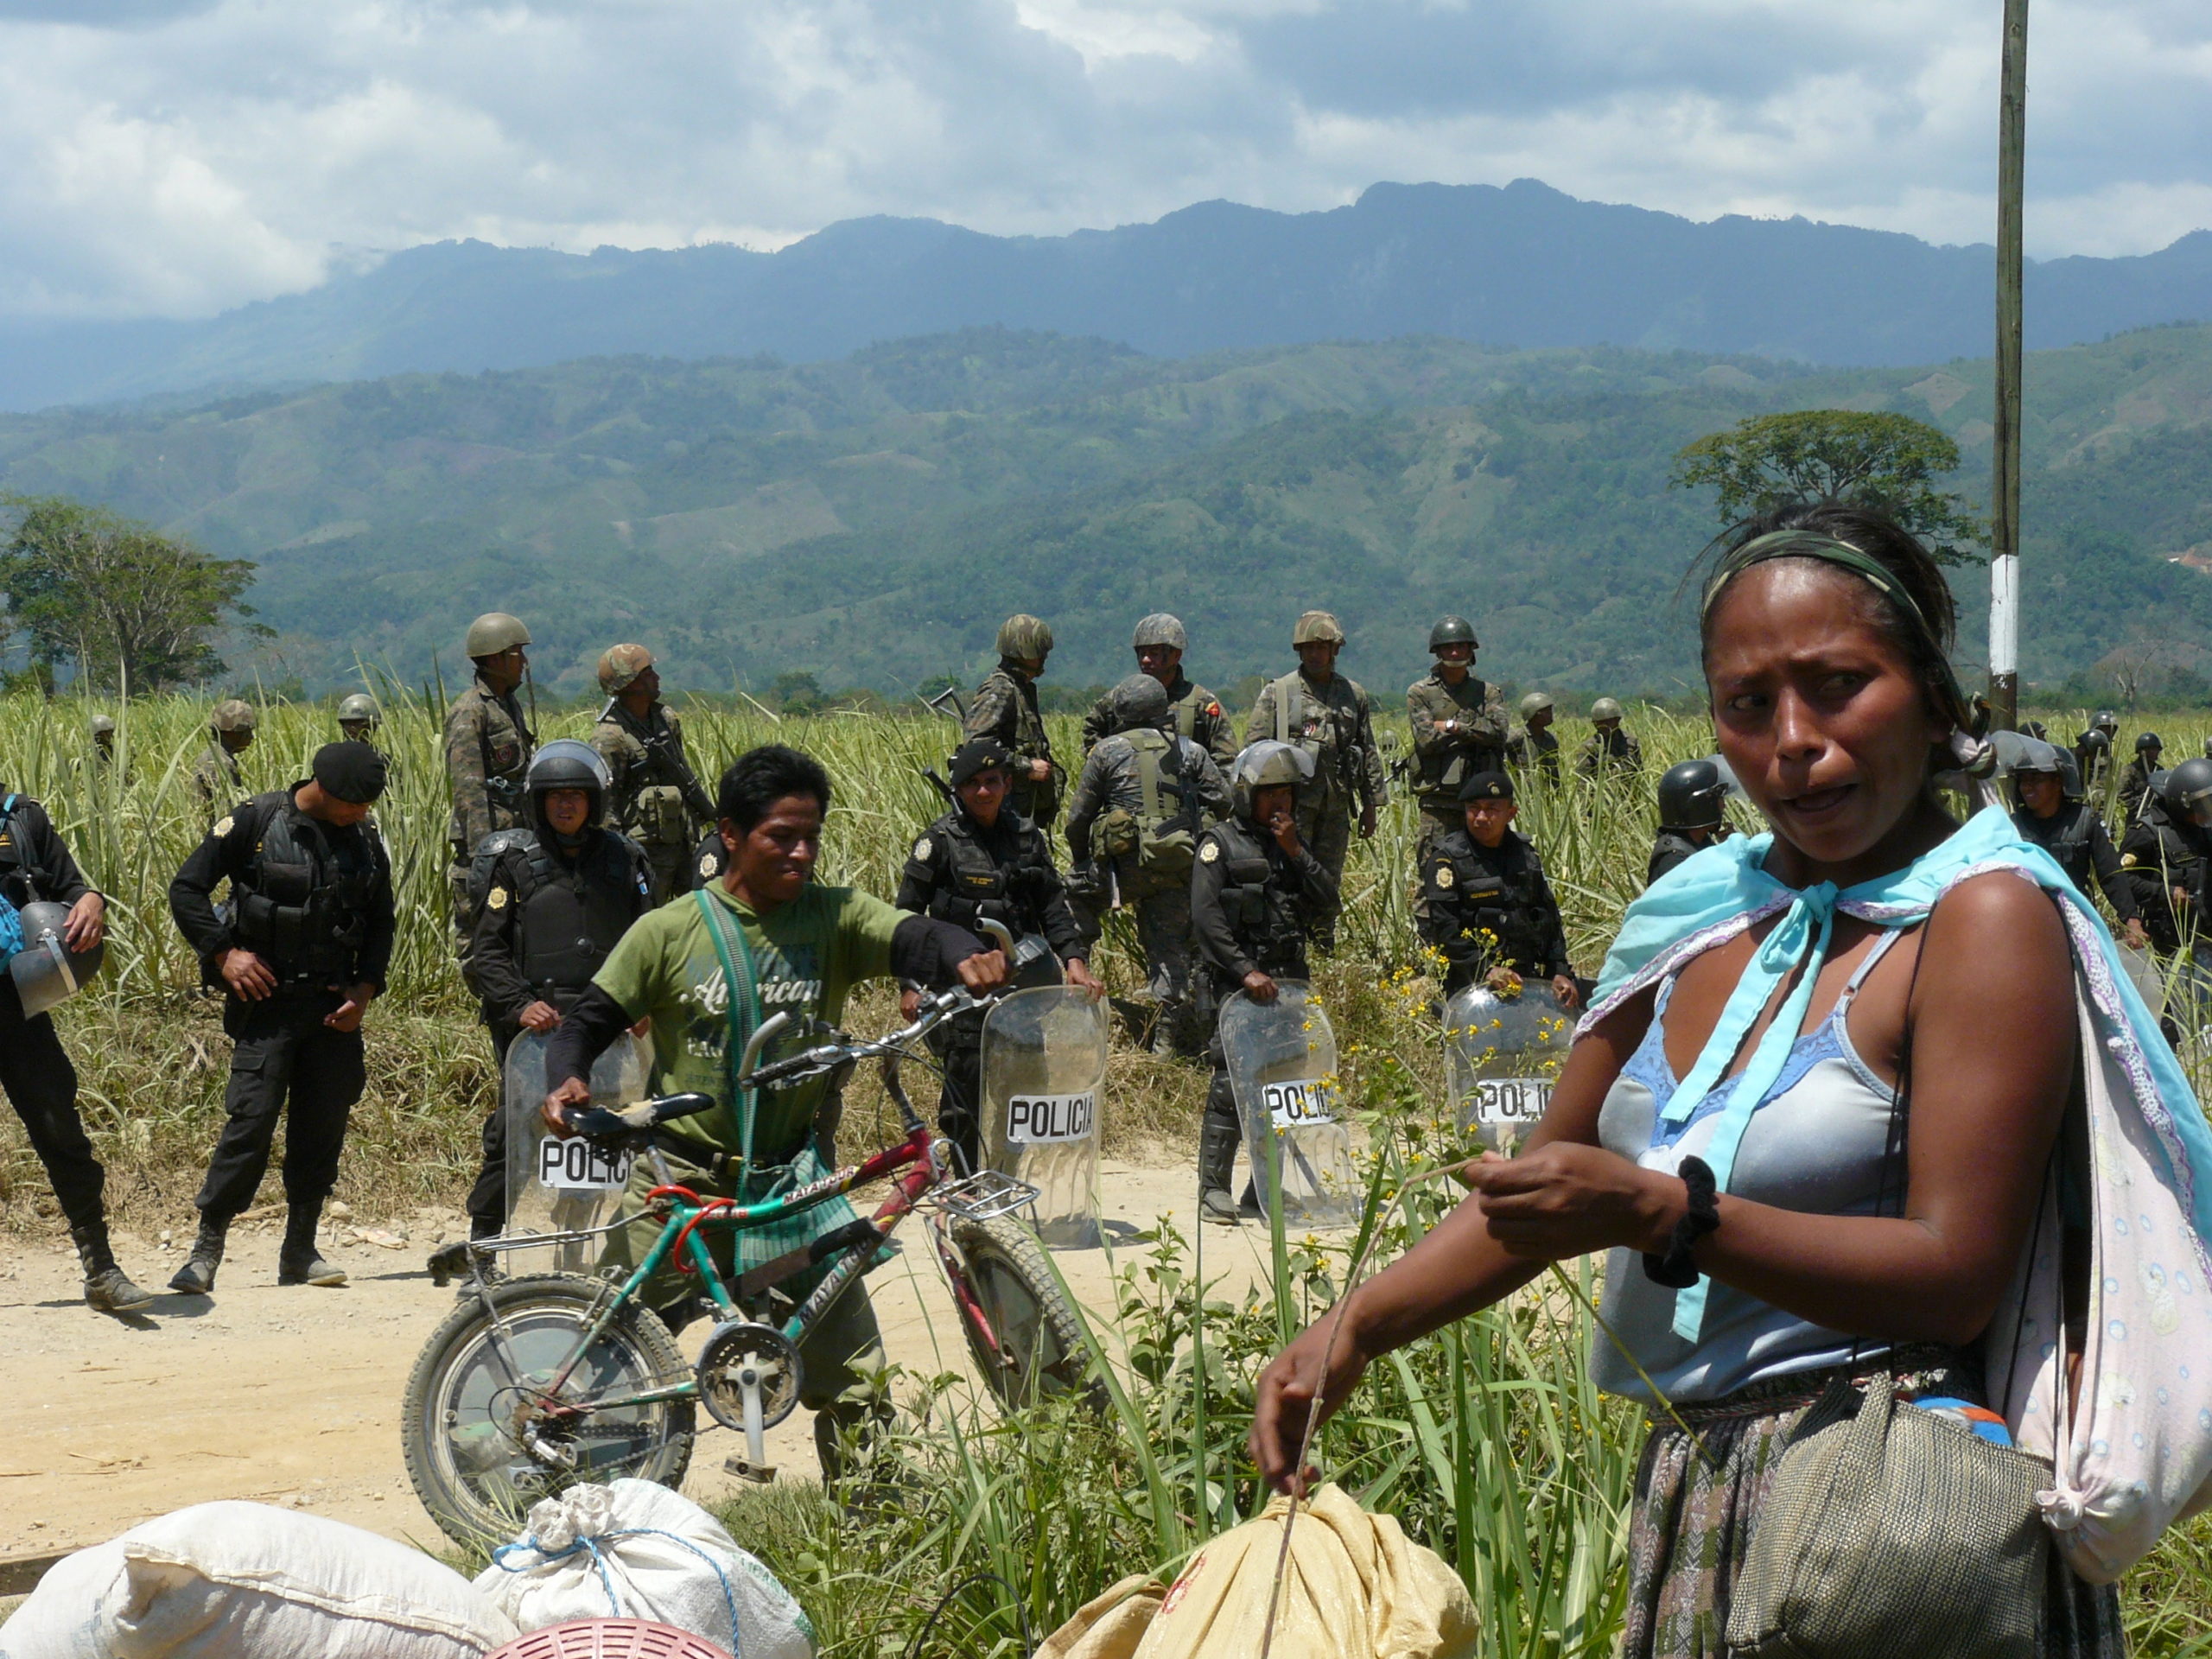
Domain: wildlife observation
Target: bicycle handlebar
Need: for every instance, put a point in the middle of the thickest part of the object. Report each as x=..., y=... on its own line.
x=934, y=1010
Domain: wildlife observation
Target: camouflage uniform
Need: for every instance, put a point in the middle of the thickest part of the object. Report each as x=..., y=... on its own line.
x=1198, y=716
x=217, y=783
x=1005, y=706
x=647, y=802
x=1444, y=760
x=1621, y=755
x=1526, y=750
x=1334, y=723
x=488, y=746
x=1110, y=796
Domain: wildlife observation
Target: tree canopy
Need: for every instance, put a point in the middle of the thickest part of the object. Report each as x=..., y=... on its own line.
x=124, y=605
x=1883, y=460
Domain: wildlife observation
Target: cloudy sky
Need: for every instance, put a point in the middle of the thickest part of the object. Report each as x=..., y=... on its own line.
x=177, y=157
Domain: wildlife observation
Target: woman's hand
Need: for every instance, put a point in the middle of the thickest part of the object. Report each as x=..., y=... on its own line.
x=1284, y=1403
x=1565, y=1200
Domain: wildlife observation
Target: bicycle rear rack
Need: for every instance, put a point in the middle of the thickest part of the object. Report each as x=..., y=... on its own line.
x=984, y=1196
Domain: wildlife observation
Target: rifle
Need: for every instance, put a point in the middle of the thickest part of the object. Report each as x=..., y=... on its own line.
x=943, y=788
x=660, y=754
x=958, y=711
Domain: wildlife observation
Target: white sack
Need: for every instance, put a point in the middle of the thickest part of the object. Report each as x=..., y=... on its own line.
x=660, y=1555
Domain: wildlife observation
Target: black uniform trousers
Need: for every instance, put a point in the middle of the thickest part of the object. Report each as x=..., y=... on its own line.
x=958, y=1045
x=42, y=1085
x=487, y=1199
x=284, y=1063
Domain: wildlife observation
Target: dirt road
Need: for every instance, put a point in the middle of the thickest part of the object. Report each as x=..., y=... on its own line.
x=291, y=1395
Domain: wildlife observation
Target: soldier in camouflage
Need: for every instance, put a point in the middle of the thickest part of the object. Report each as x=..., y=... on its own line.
x=1459, y=729
x=656, y=798
x=359, y=717
x=1608, y=751
x=1533, y=746
x=1005, y=708
x=217, y=783
x=488, y=746
x=1331, y=720
x=1160, y=643
x=1145, y=795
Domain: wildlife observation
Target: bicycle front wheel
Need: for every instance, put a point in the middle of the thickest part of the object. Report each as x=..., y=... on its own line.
x=1034, y=1348
x=484, y=1439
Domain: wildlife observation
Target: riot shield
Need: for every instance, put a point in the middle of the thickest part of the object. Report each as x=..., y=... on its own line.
x=555, y=1186
x=1501, y=1055
x=1044, y=1075
x=1282, y=1064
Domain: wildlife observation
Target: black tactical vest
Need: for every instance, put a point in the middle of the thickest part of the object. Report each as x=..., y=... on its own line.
x=1002, y=884
x=1497, y=892
x=569, y=914
x=303, y=904
x=1259, y=902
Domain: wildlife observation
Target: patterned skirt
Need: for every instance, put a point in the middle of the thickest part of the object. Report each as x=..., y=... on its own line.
x=1690, y=1531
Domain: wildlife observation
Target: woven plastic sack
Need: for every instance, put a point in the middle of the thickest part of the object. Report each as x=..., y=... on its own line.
x=233, y=1580
x=1354, y=1587
x=1108, y=1626
x=609, y=1638
x=632, y=1550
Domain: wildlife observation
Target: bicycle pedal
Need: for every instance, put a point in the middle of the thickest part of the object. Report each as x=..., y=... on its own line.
x=762, y=1473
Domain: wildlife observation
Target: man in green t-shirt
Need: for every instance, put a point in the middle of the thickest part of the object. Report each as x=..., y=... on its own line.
x=803, y=947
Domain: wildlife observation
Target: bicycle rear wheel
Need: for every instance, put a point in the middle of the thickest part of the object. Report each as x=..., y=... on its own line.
x=477, y=1391
x=1034, y=1348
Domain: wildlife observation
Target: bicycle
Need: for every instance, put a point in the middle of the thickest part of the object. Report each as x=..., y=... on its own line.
x=536, y=1382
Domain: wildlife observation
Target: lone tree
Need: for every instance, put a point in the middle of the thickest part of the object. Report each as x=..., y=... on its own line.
x=1883, y=460
x=123, y=605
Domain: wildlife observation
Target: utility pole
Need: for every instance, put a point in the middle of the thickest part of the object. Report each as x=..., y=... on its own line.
x=2004, y=444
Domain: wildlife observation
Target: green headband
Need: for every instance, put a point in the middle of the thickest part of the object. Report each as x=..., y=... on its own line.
x=1812, y=545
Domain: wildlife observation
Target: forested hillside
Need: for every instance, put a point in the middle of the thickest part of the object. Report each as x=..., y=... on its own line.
x=872, y=519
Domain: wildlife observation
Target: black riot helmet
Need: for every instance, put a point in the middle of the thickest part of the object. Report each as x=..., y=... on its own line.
x=565, y=763
x=2148, y=744
x=2188, y=792
x=1691, y=794
x=2105, y=721
x=2095, y=742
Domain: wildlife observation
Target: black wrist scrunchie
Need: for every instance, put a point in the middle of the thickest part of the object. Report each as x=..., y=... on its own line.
x=1675, y=1269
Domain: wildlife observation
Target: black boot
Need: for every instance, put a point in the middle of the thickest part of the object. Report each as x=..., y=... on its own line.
x=1216, y=1157
x=298, y=1262
x=106, y=1287
x=197, y=1276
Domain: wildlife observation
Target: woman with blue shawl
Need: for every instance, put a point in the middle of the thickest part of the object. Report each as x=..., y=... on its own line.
x=1731, y=1122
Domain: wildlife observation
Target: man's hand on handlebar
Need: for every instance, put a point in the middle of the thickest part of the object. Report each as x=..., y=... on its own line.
x=575, y=1092
x=910, y=1004
x=984, y=971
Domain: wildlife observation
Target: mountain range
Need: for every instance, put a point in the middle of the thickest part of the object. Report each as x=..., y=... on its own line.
x=1522, y=266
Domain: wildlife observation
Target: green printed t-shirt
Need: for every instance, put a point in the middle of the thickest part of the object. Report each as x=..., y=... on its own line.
x=806, y=955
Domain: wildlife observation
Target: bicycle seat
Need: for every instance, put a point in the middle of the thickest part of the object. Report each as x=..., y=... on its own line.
x=599, y=1124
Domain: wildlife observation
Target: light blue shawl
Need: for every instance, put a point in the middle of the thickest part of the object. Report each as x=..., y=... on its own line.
x=1725, y=889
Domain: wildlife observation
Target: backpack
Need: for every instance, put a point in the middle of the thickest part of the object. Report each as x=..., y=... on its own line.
x=1165, y=838
x=11, y=920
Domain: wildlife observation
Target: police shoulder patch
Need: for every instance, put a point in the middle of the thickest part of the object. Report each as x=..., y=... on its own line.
x=498, y=899
x=922, y=850
x=706, y=864
x=222, y=827
x=1210, y=852
x=1444, y=877
x=2127, y=863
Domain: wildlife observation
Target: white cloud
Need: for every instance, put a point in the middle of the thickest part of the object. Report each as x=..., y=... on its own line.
x=176, y=157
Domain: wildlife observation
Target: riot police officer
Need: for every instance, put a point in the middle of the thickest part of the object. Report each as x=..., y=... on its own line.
x=2164, y=853
x=1691, y=796
x=1160, y=643
x=300, y=956
x=36, y=869
x=1005, y=709
x=1459, y=728
x=984, y=861
x=552, y=898
x=2072, y=832
x=653, y=796
x=488, y=746
x=2135, y=782
x=1257, y=894
x=1490, y=910
x=1143, y=797
x=2092, y=752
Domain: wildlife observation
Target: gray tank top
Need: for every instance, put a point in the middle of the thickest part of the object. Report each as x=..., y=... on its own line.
x=1813, y=1144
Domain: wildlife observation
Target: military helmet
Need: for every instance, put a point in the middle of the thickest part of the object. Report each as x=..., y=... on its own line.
x=1690, y=795
x=230, y=714
x=1605, y=708
x=1452, y=631
x=493, y=632
x=567, y=763
x=2105, y=720
x=2148, y=743
x=1318, y=627
x=102, y=726
x=1159, y=629
x=1025, y=638
x=1535, y=703
x=1139, y=700
x=46, y=971
x=620, y=666
x=1262, y=766
x=2188, y=792
x=359, y=709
